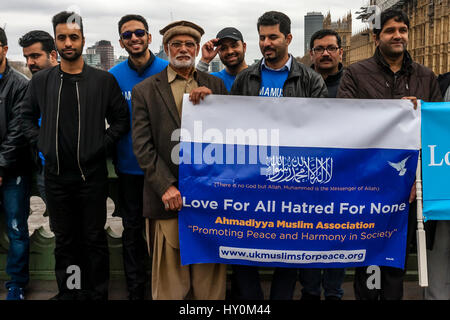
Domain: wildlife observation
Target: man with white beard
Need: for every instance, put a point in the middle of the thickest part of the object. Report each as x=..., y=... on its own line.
x=157, y=110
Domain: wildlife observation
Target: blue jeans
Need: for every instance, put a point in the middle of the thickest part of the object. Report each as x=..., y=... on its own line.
x=15, y=192
x=330, y=279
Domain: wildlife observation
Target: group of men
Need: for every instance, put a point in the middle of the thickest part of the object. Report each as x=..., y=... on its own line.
x=57, y=122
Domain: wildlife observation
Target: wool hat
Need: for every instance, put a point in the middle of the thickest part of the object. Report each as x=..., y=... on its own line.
x=181, y=27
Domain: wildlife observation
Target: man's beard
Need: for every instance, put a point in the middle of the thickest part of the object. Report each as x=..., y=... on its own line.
x=277, y=55
x=75, y=56
x=386, y=49
x=232, y=65
x=181, y=64
x=2, y=58
x=136, y=54
x=37, y=68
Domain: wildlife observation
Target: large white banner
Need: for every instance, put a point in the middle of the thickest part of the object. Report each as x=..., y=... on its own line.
x=297, y=182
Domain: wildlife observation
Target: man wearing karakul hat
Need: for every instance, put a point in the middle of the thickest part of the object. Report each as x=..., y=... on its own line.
x=157, y=110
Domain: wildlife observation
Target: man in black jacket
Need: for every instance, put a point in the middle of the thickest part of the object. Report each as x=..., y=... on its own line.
x=74, y=100
x=389, y=74
x=14, y=174
x=278, y=74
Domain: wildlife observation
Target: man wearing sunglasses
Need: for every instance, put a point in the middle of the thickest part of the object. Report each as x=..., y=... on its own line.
x=141, y=64
x=326, y=55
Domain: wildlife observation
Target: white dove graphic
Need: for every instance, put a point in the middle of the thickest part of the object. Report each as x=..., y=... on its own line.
x=400, y=167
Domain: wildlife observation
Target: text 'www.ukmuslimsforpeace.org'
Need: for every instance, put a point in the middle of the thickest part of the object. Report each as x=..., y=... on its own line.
x=290, y=256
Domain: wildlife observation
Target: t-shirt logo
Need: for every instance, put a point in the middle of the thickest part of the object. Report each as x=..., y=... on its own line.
x=271, y=92
x=272, y=82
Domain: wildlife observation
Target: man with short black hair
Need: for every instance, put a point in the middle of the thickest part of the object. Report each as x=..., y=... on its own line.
x=277, y=74
x=40, y=53
x=231, y=47
x=39, y=50
x=141, y=64
x=74, y=101
x=389, y=74
x=326, y=54
x=15, y=174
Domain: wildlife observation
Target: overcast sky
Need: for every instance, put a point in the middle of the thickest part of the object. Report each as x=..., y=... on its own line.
x=100, y=18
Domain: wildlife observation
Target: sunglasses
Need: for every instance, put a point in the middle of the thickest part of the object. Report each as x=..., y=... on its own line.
x=138, y=33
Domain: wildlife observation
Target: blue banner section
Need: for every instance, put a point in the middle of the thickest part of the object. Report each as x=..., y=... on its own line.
x=436, y=160
x=296, y=207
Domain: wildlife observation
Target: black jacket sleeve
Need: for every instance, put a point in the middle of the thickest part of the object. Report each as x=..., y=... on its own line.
x=13, y=141
x=29, y=120
x=117, y=115
x=29, y=115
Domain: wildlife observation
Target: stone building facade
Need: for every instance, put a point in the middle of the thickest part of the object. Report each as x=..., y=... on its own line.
x=344, y=28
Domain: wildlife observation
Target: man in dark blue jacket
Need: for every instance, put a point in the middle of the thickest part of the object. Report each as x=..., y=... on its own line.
x=141, y=64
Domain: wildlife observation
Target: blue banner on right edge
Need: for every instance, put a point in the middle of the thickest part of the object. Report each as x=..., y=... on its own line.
x=436, y=160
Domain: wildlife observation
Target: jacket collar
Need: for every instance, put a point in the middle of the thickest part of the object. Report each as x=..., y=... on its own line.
x=144, y=68
x=333, y=77
x=255, y=70
x=287, y=66
x=81, y=75
x=406, y=65
x=166, y=94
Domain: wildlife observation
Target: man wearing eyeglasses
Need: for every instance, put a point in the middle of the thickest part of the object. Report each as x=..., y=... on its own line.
x=157, y=111
x=141, y=64
x=326, y=55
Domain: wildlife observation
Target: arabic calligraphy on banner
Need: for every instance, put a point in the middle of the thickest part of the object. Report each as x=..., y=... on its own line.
x=313, y=170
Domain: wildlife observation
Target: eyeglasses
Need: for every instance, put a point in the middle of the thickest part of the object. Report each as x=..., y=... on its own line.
x=179, y=44
x=321, y=50
x=128, y=34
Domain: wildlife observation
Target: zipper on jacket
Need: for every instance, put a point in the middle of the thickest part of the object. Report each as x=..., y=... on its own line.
x=79, y=130
x=57, y=124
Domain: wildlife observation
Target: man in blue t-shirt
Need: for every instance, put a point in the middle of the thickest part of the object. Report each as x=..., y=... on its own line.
x=141, y=64
x=230, y=46
x=277, y=74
